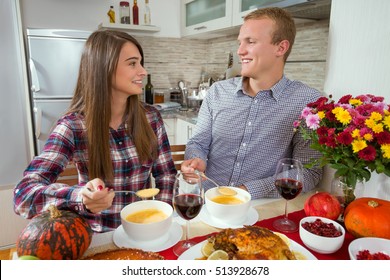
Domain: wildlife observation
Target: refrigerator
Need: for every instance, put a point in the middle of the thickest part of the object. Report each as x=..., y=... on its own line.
x=53, y=60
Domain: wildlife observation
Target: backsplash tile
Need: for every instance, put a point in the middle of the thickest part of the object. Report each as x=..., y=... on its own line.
x=169, y=60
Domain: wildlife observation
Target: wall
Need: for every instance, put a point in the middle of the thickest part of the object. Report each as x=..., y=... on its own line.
x=16, y=136
x=358, y=57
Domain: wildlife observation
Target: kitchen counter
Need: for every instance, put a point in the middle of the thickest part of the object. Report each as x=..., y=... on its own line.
x=189, y=116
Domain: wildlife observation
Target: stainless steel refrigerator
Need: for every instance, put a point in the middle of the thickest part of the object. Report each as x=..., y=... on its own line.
x=53, y=58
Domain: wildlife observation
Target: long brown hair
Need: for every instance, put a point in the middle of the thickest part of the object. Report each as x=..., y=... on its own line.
x=284, y=25
x=92, y=99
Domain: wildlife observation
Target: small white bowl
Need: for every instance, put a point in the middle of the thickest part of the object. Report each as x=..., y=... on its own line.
x=321, y=244
x=372, y=244
x=228, y=213
x=158, y=232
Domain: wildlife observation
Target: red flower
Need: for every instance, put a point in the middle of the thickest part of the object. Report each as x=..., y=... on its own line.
x=345, y=99
x=344, y=138
x=368, y=153
x=383, y=137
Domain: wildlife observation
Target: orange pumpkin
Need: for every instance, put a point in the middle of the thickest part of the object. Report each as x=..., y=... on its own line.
x=368, y=217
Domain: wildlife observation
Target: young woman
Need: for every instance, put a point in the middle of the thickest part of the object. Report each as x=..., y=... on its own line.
x=115, y=140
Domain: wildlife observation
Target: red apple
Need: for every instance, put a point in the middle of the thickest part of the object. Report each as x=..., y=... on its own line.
x=323, y=204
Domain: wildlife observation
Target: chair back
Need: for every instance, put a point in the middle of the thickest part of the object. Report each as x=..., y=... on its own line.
x=178, y=155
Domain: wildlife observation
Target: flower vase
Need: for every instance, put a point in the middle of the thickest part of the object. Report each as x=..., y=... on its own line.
x=344, y=192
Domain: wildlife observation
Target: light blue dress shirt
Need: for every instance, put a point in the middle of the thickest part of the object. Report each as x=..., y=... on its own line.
x=241, y=138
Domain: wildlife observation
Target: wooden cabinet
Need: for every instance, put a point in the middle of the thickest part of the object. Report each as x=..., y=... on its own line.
x=184, y=131
x=201, y=16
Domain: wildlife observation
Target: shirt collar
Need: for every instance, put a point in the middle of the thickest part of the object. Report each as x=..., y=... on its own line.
x=276, y=90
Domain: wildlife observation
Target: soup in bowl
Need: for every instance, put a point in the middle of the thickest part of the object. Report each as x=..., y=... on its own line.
x=232, y=209
x=147, y=220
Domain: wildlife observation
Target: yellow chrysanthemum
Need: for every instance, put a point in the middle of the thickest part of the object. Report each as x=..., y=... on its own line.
x=378, y=128
x=376, y=116
x=336, y=110
x=370, y=123
x=368, y=137
x=385, y=150
x=343, y=116
x=355, y=102
x=356, y=133
x=386, y=122
x=358, y=145
x=321, y=114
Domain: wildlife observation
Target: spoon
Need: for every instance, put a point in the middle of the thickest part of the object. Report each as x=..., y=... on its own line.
x=222, y=190
x=144, y=193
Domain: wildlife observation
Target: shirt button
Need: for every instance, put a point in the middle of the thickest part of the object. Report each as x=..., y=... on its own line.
x=244, y=144
x=120, y=143
x=238, y=164
x=249, y=123
x=255, y=100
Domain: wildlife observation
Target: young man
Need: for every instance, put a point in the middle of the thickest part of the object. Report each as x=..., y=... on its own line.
x=245, y=124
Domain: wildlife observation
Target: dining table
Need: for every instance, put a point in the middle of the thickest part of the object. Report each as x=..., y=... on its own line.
x=268, y=210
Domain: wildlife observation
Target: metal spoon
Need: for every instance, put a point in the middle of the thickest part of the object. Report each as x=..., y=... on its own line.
x=144, y=193
x=222, y=190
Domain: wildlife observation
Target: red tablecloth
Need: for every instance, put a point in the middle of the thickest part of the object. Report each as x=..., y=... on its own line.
x=341, y=254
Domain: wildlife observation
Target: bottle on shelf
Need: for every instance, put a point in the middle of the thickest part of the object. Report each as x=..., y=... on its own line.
x=125, y=12
x=149, y=91
x=135, y=13
x=147, y=15
x=111, y=14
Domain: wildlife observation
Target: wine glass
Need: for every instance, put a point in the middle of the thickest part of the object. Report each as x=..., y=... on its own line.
x=188, y=197
x=288, y=182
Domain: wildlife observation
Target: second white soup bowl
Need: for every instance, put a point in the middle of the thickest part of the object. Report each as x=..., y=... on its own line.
x=228, y=213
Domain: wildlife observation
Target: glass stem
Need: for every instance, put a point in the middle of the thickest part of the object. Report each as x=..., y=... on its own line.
x=285, y=211
x=187, y=231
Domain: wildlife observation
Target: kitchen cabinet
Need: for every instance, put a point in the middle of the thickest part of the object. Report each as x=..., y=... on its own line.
x=201, y=16
x=184, y=131
x=242, y=8
x=170, y=128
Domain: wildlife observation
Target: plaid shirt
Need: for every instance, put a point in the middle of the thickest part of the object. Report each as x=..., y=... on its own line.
x=38, y=188
x=241, y=138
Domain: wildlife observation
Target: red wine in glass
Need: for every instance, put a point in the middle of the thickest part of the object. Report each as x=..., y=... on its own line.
x=288, y=188
x=188, y=197
x=188, y=206
x=288, y=182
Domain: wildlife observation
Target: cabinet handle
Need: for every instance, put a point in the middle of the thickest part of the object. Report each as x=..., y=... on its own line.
x=189, y=132
x=200, y=27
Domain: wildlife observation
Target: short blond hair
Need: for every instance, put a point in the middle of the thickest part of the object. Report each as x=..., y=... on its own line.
x=285, y=25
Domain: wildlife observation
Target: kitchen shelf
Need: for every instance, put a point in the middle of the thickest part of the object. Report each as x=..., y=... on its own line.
x=130, y=27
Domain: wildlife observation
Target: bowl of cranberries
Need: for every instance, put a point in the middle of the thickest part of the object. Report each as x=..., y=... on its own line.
x=321, y=235
x=369, y=248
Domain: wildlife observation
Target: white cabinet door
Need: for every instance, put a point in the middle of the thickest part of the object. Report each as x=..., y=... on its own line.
x=170, y=128
x=200, y=16
x=241, y=8
x=184, y=131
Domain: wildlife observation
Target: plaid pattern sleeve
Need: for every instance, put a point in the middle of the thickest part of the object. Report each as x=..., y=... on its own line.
x=242, y=137
x=38, y=187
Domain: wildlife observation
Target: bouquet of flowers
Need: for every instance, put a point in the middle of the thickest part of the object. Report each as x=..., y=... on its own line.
x=353, y=135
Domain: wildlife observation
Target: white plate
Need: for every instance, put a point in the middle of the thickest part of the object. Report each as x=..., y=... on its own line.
x=121, y=239
x=196, y=253
x=205, y=217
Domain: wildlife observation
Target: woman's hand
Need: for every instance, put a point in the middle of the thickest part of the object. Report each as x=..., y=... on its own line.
x=96, y=197
x=190, y=165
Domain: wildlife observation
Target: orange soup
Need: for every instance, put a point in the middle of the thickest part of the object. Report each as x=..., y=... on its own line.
x=146, y=216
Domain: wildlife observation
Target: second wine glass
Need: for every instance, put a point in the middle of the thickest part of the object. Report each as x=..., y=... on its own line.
x=288, y=182
x=188, y=198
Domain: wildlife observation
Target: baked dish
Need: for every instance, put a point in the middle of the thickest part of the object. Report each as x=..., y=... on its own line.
x=251, y=243
x=125, y=254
